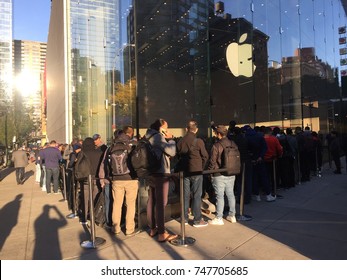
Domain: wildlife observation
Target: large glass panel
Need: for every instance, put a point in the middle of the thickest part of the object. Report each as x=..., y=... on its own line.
x=234, y=67
x=172, y=72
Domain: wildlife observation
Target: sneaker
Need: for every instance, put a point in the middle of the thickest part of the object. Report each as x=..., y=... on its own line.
x=201, y=223
x=84, y=223
x=231, y=218
x=132, y=233
x=216, y=221
x=270, y=198
x=56, y=192
x=256, y=197
x=71, y=216
x=43, y=189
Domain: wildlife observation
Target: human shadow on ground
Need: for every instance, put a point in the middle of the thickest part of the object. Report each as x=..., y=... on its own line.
x=9, y=218
x=47, y=246
x=27, y=175
x=5, y=172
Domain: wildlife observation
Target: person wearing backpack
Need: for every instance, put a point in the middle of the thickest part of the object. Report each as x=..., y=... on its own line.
x=192, y=160
x=158, y=180
x=116, y=166
x=222, y=184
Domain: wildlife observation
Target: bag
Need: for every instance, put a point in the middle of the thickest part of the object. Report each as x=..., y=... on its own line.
x=82, y=167
x=231, y=160
x=99, y=210
x=118, y=158
x=143, y=158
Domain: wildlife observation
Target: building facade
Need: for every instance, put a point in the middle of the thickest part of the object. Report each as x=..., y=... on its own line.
x=6, y=11
x=120, y=62
x=29, y=59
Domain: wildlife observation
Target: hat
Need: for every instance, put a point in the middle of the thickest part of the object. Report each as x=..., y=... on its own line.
x=96, y=136
x=76, y=147
x=221, y=129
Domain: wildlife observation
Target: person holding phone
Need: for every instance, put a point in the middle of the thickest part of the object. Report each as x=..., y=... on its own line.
x=163, y=145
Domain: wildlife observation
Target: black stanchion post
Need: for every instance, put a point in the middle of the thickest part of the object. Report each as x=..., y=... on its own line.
x=275, y=179
x=96, y=241
x=299, y=171
x=242, y=217
x=64, y=182
x=182, y=240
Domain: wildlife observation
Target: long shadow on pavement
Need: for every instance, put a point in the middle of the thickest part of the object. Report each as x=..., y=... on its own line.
x=5, y=172
x=47, y=246
x=9, y=213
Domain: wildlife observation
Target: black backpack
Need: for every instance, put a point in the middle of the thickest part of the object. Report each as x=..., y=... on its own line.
x=143, y=159
x=231, y=160
x=118, y=158
x=82, y=167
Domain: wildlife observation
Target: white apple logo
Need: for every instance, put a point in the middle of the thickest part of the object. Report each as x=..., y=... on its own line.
x=239, y=58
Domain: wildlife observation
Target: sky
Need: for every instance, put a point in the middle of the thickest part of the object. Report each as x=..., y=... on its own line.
x=31, y=19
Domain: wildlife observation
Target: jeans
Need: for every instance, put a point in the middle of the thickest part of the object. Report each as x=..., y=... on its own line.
x=224, y=184
x=193, y=185
x=20, y=174
x=52, y=172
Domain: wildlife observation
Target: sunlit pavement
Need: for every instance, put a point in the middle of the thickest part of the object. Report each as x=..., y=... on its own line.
x=309, y=222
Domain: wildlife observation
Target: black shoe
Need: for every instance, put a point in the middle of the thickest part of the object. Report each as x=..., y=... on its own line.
x=337, y=172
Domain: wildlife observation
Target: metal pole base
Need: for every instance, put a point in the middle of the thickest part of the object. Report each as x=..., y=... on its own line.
x=244, y=218
x=88, y=244
x=179, y=241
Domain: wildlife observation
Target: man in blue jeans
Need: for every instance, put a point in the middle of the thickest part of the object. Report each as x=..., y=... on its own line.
x=221, y=183
x=51, y=156
x=193, y=158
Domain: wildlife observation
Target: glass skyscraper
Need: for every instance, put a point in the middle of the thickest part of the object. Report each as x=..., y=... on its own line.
x=122, y=62
x=6, y=8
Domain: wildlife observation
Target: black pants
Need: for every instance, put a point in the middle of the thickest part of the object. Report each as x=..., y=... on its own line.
x=20, y=174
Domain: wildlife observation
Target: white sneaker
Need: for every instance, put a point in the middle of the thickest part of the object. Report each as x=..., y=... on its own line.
x=256, y=197
x=231, y=219
x=216, y=221
x=44, y=189
x=270, y=198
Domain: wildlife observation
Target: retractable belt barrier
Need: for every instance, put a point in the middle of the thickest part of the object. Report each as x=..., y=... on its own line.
x=95, y=241
x=182, y=239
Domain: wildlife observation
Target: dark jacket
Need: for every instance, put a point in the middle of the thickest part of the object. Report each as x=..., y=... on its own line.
x=88, y=148
x=216, y=154
x=192, y=154
x=256, y=144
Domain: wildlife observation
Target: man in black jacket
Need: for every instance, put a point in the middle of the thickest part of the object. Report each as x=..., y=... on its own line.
x=193, y=158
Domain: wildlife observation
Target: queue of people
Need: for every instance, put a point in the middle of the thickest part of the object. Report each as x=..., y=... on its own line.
x=270, y=159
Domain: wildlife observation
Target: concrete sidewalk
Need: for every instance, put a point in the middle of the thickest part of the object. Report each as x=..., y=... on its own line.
x=310, y=222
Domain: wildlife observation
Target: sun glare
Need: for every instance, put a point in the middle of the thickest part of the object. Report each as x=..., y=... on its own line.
x=27, y=84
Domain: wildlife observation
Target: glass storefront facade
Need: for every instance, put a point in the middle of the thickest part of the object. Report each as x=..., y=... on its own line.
x=270, y=62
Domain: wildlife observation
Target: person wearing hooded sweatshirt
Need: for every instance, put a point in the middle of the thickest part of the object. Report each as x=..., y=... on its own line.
x=93, y=155
x=163, y=145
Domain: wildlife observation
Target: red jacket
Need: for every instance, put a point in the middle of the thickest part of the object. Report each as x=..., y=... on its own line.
x=274, y=148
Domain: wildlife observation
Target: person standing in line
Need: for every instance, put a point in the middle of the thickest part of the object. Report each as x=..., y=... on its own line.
x=335, y=149
x=93, y=155
x=20, y=160
x=193, y=158
x=222, y=184
x=124, y=185
x=165, y=147
x=52, y=157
